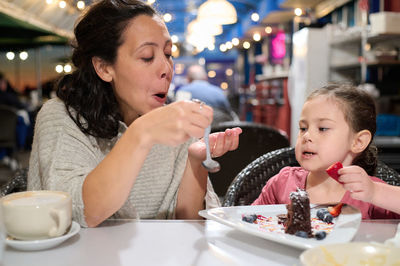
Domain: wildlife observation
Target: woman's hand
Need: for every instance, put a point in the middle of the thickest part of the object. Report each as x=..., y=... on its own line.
x=357, y=181
x=220, y=143
x=173, y=124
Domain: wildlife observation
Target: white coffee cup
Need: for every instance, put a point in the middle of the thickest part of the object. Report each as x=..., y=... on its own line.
x=32, y=215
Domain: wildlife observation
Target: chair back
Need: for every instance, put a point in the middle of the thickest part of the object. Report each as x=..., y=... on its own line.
x=8, y=125
x=248, y=184
x=255, y=140
x=17, y=183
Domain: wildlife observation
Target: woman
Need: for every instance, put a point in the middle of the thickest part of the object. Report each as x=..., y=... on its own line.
x=109, y=139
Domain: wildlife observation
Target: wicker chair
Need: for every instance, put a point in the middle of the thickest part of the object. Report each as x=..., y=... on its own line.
x=247, y=185
x=16, y=183
x=255, y=140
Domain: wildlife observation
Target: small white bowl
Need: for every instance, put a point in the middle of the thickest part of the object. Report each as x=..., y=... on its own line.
x=354, y=253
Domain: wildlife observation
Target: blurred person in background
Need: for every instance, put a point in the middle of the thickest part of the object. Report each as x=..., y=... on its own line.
x=198, y=87
x=8, y=96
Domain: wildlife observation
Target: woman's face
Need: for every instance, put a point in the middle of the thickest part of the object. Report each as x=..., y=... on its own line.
x=143, y=69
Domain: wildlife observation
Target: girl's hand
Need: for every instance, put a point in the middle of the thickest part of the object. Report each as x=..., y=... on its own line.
x=173, y=124
x=220, y=143
x=357, y=181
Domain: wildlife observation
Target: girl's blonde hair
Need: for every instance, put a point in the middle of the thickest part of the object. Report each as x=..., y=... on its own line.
x=360, y=113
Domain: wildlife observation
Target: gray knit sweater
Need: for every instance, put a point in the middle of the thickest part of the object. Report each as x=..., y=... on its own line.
x=62, y=156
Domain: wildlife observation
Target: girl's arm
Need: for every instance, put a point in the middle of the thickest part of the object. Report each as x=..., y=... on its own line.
x=386, y=196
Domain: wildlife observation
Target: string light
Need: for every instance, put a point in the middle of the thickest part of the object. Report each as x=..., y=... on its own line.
x=10, y=56
x=256, y=36
x=211, y=74
x=80, y=5
x=298, y=12
x=167, y=17
x=255, y=17
x=23, y=55
x=62, y=4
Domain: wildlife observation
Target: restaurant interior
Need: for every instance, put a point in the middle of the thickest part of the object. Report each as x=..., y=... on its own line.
x=266, y=56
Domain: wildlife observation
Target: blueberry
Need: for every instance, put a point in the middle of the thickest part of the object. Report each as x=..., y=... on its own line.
x=324, y=215
x=251, y=218
x=328, y=218
x=301, y=234
x=320, y=235
x=321, y=213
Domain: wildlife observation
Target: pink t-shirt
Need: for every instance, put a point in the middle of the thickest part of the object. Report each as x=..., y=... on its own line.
x=278, y=188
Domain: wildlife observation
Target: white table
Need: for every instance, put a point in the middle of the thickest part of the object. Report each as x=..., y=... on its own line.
x=174, y=242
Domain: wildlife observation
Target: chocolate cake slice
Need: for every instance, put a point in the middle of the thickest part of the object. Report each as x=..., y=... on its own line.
x=298, y=215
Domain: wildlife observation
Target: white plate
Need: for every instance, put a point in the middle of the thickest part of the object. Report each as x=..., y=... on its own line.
x=346, y=224
x=30, y=245
x=351, y=254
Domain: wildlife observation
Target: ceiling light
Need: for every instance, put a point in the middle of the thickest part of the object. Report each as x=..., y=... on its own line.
x=80, y=5
x=59, y=68
x=255, y=17
x=298, y=12
x=10, y=55
x=67, y=68
x=218, y=11
x=167, y=17
x=62, y=4
x=246, y=45
x=174, y=38
x=211, y=74
x=204, y=27
x=23, y=55
x=268, y=29
x=229, y=72
x=256, y=36
x=224, y=85
x=222, y=47
x=235, y=41
x=202, y=61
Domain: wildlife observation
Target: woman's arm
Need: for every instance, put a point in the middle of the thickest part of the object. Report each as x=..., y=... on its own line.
x=107, y=187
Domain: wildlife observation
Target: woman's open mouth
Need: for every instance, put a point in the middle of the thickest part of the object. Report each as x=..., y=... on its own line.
x=160, y=97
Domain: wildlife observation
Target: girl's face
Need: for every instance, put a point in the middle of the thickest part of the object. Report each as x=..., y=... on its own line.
x=324, y=136
x=143, y=69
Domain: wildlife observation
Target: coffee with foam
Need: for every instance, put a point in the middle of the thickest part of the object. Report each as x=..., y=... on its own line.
x=32, y=215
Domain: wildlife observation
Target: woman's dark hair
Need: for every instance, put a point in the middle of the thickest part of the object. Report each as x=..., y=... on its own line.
x=360, y=113
x=98, y=33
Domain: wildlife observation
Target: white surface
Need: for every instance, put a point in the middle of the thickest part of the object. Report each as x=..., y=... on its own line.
x=30, y=245
x=346, y=225
x=351, y=254
x=309, y=70
x=175, y=243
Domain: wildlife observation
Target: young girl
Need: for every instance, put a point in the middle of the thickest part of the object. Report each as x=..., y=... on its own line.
x=337, y=124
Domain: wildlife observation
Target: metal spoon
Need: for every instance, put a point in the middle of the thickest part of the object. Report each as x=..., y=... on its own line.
x=211, y=165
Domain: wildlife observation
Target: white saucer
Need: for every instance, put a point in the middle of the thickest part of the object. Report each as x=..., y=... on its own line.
x=30, y=245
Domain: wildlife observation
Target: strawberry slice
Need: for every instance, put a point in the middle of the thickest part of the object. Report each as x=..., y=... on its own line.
x=333, y=171
x=335, y=210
